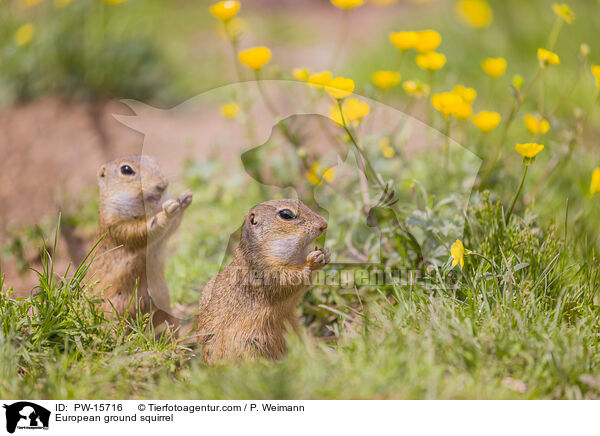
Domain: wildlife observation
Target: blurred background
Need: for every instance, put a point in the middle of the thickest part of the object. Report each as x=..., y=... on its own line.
x=66, y=64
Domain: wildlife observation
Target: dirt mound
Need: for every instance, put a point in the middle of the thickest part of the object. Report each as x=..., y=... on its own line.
x=50, y=149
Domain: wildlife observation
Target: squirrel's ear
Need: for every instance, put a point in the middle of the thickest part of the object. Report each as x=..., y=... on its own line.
x=102, y=172
x=252, y=219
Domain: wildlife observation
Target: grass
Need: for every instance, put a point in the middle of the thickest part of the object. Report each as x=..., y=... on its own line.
x=527, y=328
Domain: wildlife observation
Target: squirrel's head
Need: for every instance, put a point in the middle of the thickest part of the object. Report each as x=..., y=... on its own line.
x=131, y=186
x=281, y=232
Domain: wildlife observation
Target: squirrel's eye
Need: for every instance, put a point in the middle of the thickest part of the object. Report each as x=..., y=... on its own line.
x=126, y=170
x=286, y=214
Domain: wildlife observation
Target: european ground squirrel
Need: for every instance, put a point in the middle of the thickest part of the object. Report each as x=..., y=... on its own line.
x=245, y=309
x=135, y=220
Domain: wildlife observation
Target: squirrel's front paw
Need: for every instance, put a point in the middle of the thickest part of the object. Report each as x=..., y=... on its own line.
x=185, y=199
x=171, y=207
x=318, y=259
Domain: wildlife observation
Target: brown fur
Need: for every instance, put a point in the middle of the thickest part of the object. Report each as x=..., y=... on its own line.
x=135, y=220
x=245, y=309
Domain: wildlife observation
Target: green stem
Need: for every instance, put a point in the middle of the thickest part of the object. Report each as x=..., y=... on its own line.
x=565, y=96
x=589, y=110
x=558, y=22
x=282, y=125
x=429, y=109
x=490, y=90
x=447, y=144
x=492, y=264
x=518, y=101
x=514, y=201
x=381, y=184
x=357, y=147
x=263, y=94
x=542, y=93
x=233, y=42
x=560, y=162
x=530, y=86
x=431, y=75
x=343, y=36
x=234, y=48
x=401, y=59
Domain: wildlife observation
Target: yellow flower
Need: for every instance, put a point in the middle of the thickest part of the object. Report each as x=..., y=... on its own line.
x=546, y=57
x=340, y=87
x=536, y=125
x=388, y=152
x=328, y=174
x=353, y=111
x=385, y=79
x=467, y=94
x=462, y=111
x=24, y=34
x=529, y=150
x=416, y=88
x=347, y=4
x=356, y=110
x=595, y=185
x=114, y=2
x=255, y=57
x=318, y=80
x=564, y=12
x=431, y=61
x=456, y=102
x=494, y=67
x=474, y=13
x=301, y=74
x=427, y=40
x=457, y=251
x=316, y=177
x=447, y=103
x=596, y=73
x=225, y=10
x=404, y=40
x=229, y=110
x=312, y=174
x=386, y=149
x=486, y=121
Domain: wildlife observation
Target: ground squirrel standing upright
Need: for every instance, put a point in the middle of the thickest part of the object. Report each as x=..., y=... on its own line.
x=135, y=220
x=245, y=309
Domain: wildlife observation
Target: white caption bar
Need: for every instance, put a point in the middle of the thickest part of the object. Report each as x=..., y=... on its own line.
x=23, y=417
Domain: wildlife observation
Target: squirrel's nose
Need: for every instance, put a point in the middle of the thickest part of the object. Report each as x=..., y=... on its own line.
x=323, y=226
x=161, y=187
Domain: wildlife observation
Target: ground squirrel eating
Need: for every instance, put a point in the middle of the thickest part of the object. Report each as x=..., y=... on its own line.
x=135, y=220
x=245, y=309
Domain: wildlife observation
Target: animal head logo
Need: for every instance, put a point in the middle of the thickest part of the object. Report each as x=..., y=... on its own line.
x=288, y=143
x=26, y=415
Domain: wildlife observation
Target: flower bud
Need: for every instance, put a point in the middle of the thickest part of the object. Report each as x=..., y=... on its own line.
x=517, y=81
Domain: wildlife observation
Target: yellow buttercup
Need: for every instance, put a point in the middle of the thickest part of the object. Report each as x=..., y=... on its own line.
x=255, y=57
x=225, y=10
x=529, y=150
x=494, y=67
x=486, y=121
x=431, y=61
x=385, y=79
